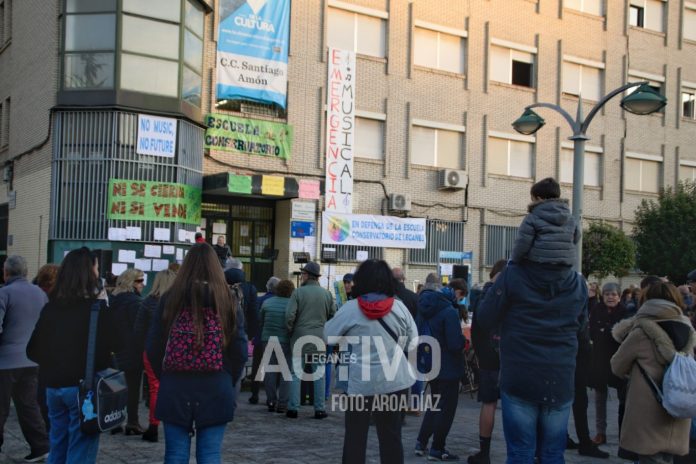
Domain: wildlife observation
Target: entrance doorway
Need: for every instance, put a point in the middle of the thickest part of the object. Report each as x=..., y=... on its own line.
x=247, y=226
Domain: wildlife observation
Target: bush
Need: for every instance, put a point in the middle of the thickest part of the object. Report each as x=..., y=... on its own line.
x=606, y=251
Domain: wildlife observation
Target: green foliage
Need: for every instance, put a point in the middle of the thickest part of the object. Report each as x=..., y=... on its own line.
x=665, y=233
x=606, y=250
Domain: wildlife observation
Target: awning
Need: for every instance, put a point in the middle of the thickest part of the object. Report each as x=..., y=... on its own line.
x=253, y=186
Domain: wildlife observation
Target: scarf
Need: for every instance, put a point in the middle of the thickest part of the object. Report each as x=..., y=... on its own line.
x=375, y=305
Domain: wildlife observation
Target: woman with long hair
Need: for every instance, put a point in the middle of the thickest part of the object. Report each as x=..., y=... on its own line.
x=197, y=348
x=375, y=314
x=59, y=346
x=125, y=302
x=143, y=319
x=650, y=340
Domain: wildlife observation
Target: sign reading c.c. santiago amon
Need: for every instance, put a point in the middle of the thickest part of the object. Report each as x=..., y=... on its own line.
x=252, y=54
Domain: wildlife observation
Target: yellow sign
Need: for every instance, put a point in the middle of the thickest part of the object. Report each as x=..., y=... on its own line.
x=273, y=185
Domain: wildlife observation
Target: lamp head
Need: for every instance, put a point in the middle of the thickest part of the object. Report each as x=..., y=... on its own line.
x=528, y=123
x=643, y=101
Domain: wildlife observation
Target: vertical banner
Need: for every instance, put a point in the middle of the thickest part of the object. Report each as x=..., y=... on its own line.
x=252, y=54
x=340, y=131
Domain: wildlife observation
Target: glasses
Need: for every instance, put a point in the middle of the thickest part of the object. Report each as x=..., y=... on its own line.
x=139, y=281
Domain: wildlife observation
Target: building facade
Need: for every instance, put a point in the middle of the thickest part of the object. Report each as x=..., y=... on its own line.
x=438, y=84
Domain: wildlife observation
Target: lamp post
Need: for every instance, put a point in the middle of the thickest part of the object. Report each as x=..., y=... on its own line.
x=643, y=101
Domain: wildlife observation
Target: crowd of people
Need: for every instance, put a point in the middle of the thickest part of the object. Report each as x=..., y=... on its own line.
x=542, y=336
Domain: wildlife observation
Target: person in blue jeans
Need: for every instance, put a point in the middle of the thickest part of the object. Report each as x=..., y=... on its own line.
x=539, y=309
x=437, y=311
x=197, y=385
x=59, y=346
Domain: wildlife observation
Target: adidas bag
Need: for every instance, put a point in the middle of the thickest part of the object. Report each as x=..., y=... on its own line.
x=102, y=397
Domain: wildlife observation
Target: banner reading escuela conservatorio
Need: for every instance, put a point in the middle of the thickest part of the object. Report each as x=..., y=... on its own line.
x=250, y=136
x=252, y=52
x=154, y=201
x=370, y=230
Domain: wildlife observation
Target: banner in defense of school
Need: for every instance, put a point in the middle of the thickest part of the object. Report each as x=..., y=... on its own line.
x=372, y=230
x=154, y=201
x=252, y=51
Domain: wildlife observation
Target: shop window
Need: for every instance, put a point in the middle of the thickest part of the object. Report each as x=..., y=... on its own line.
x=581, y=79
x=509, y=157
x=592, y=170
x=438, y=50
x=440, y=236
x=436, y=147
x=500, y=241
x=356, y=32
x=511, y=66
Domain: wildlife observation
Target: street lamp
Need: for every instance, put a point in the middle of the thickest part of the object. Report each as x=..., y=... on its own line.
x=644, y=100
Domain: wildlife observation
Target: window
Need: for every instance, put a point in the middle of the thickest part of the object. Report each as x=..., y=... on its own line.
x=593, y=7
x=689, y=103
x=357, y=32
x=5, y=124
x=512, y=66
x=648, y=14
x=350, y=252
x=509, y=157
x=440, y=236
x=690, y=21
x=687, y=170
x=593, y=166
x=499, y=243
x=440, y=147
x=369, y=138
x=642, y=173
x=582, y=78
x=654, y=81
x=438, y=50
x=90, y=43
x=193, y=54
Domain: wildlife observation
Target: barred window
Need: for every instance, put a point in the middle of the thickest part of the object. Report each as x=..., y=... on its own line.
x=499, y=244
x=440, y=236
x=349, y=253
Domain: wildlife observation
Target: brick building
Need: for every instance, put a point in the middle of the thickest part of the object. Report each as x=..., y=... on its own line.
x=438, y=85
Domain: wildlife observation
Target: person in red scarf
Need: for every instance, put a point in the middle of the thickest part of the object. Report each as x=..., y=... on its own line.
x=376, y=314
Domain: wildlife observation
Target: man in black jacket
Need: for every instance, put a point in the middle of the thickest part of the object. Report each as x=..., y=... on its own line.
x=408, y=298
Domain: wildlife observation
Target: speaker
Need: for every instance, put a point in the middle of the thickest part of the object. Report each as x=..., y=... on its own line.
x=460, y=271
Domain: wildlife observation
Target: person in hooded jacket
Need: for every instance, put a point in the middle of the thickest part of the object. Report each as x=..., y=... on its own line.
x=439, y=316
x=126, y=302
x=650, y=340
x=548, y=234
x=234, y=275
x=374, y=314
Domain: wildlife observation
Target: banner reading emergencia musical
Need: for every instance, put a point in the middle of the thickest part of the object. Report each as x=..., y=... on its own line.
x=252, y=54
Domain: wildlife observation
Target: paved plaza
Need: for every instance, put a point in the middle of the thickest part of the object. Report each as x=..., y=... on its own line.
x=257, y=436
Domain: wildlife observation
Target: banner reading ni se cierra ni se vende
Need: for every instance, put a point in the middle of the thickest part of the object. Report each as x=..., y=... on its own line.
x=154, y=201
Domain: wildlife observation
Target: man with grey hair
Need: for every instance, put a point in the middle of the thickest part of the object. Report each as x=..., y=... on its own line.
x=20, y=306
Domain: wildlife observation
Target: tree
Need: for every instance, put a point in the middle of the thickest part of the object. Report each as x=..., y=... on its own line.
x=665, y=231
x=606, y=250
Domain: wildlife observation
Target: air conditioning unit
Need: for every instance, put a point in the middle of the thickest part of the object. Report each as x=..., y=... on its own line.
x=399, y=202
x=452, y=179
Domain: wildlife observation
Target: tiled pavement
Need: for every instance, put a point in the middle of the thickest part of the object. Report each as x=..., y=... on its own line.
x=257, y=436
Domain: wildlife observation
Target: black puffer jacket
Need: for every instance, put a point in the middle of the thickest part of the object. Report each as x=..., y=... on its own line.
x=548, y=234
x=126, y=306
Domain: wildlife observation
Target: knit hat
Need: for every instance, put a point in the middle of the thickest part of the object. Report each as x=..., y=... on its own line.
x=348, y=277
x=611, y=287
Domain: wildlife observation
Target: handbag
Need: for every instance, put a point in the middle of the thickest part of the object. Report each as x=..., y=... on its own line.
x=102, y=396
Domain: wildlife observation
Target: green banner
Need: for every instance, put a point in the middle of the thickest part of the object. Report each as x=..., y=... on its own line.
x=154, y=201
x=238, y=184
x=250, y=136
